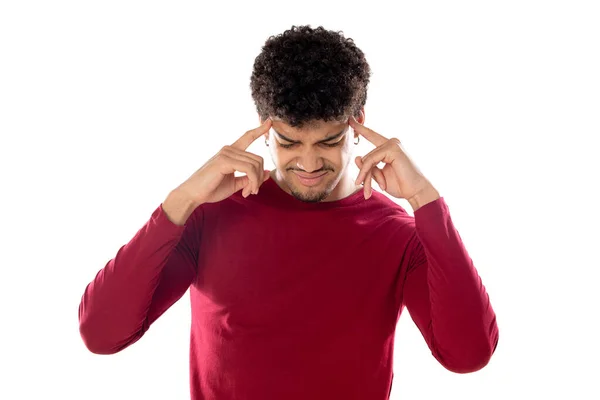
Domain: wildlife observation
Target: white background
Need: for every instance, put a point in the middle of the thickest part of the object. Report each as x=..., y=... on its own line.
x=107, y=106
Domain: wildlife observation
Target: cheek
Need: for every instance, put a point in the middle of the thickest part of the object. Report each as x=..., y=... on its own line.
x=282, y=157
x=346, y=153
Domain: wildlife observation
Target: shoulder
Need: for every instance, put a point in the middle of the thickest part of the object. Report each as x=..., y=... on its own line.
x=389, y=213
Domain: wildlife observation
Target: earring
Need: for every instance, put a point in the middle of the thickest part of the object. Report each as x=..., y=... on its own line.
x=357, y=140
x=266, y=143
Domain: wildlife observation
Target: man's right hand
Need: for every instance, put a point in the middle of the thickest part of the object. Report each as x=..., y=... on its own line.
x=216, y=181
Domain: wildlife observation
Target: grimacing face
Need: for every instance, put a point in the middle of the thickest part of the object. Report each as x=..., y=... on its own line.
x=312, y=162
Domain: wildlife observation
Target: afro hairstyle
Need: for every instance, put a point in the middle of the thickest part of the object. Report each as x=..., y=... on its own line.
x=305, y=75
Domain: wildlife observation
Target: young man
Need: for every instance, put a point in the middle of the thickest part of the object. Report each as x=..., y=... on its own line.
x=298, y=276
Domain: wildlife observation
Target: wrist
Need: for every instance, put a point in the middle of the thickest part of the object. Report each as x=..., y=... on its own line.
x=178, y=206
x=424, y=196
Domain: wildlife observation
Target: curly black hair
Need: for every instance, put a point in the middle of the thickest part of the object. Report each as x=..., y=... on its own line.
x=306, y=74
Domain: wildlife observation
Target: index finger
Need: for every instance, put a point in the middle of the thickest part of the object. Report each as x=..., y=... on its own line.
x=369, y=134
x=253, y=134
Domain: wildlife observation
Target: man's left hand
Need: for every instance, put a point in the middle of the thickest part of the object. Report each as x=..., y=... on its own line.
x=399, y=177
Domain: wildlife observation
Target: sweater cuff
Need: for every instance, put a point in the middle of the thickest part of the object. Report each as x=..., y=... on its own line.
x=432, y=209
x=429, y=216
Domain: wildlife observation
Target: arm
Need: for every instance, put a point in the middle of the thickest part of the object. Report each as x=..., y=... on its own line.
x=146, y=277
x=444, y=293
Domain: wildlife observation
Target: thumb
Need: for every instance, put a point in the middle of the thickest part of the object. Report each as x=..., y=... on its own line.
x=267, y=175
x=240, y=182
x=358, y=161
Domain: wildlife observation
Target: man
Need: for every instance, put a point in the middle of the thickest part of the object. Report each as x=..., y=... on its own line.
x=298, y=276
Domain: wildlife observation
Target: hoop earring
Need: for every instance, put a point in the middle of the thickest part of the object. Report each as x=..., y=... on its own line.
x=357, y=140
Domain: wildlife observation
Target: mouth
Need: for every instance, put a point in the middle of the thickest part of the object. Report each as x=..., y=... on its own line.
x=310, y=180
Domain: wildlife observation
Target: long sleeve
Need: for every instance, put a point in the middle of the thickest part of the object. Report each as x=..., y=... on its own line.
x=146, y=277
x=445, y=295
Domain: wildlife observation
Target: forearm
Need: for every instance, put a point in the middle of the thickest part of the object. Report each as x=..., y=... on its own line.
x=447, y=296
x=463, y=321
x=114, y=307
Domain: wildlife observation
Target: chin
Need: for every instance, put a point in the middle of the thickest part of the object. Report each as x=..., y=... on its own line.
x=311, y=194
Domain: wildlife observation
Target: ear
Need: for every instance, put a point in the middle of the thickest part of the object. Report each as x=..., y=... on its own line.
x=260, y=122
x=360, y=119
x=361, y=116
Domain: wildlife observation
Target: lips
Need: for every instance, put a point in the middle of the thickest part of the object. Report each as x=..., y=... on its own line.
x=310, y=180
x=310, y=176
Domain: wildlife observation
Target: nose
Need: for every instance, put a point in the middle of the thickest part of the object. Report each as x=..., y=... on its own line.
x=310, y=161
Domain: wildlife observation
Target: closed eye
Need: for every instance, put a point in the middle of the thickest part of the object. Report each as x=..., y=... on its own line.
x=287, y=146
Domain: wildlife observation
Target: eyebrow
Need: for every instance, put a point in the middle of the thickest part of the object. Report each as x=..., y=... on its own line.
x=327, y=139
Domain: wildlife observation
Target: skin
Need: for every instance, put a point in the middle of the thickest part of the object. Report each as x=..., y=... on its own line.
x=311, y=157
x=400, y=176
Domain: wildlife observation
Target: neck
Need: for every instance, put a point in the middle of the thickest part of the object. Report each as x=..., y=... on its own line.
x=345, y=187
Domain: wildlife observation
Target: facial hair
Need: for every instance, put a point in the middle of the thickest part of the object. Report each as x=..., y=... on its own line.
x=313, y=196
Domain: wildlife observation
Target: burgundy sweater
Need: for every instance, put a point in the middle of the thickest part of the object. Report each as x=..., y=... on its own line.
x=294, y=300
